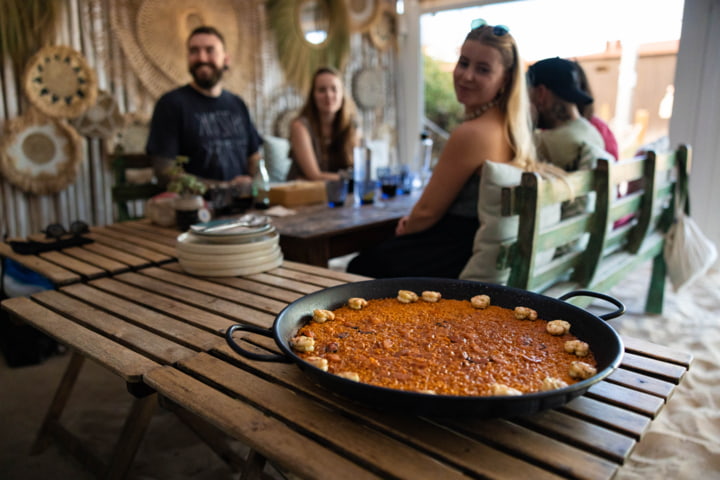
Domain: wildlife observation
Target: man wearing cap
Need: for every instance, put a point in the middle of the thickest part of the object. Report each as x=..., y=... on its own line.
x=203, y=121
x=563, y=136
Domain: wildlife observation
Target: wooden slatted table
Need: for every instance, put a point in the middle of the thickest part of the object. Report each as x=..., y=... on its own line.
x=137, y=321
x=162, y=330
x=115, y=249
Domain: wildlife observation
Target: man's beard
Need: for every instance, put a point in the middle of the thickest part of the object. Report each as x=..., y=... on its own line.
x=206, y=82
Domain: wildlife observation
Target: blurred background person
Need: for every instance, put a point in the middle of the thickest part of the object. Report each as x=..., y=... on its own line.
x=563, y=136
x=588, y=111
x=203, y=121
x=323, y=135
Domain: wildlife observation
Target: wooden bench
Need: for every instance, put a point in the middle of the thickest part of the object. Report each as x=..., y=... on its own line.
x=597, y=247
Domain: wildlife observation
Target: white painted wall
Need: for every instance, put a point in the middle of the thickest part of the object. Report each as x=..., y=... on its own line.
x=696, y=109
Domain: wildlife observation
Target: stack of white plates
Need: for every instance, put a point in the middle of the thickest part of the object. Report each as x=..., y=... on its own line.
x=227, y=248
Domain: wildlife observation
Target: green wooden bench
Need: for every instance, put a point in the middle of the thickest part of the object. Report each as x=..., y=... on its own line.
x=596, y=247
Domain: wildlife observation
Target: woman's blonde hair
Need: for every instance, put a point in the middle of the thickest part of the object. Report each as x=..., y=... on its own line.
x=344, y=128
x=513, y=96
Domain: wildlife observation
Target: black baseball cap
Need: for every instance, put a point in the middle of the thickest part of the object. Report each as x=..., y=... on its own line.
x=561, y=77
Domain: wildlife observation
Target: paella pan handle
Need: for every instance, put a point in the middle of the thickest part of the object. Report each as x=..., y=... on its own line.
x=601, y=296
x=268, y=357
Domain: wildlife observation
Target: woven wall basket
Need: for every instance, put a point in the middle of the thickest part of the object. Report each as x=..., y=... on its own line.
x=40, y=154
x=59, y=82
x=153, y=35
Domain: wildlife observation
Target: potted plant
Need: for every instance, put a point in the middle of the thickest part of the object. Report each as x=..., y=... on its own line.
x=190, y=190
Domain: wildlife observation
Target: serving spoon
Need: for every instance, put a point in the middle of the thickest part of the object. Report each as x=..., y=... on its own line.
x=247, y=220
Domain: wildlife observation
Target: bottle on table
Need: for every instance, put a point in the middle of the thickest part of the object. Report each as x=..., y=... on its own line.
x=261, y=186
x=363, y=184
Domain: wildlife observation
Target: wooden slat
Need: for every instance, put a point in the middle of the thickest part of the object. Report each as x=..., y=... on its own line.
x=201, y=300
x=324, y=272
x=121, y=256
x=543, y=450
x=610, y=416
x=627, y=398
x=590, y=438
x=129, y=337
x=151, y=320
x=88, y=256
x=258, y=302
x=304, y=276
x=642, y=383
x=271, y=279
x=247, y=285
x=149, y=254
x=656, y=368
x=149, y=235
x=270, y=437
x=177, y=309
x=145, y=225
x=653, y=350
x=84, y=269
x=120, y=360
x=55, y=273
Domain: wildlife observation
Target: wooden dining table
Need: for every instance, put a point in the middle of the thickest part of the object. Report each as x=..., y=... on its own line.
x=316, y=233
x=161, y=331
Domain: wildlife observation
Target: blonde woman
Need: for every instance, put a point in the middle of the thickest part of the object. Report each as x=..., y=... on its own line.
x=323, y=135
x=436, y=238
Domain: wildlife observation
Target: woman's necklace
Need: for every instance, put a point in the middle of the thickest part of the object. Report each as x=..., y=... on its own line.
x=480, y=110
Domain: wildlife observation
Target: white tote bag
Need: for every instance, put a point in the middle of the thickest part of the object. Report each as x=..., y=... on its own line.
x=688, y=252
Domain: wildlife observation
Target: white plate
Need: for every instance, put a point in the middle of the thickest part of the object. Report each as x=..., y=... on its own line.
x=233, y=272
x=236, y=238
x=229, y=257
x=187, y=242
x=229, y=261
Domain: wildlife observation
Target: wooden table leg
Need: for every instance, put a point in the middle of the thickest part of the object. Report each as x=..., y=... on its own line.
x=254, y=465
x=132, y=434
x=58, y=403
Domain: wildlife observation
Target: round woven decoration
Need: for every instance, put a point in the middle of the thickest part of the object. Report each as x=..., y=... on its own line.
x=363, y=13
x=101, y=120
x=163, y=28
x=39, y=154
x=59, y=82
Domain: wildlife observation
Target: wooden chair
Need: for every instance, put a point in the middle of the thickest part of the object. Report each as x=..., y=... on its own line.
x=128, y=196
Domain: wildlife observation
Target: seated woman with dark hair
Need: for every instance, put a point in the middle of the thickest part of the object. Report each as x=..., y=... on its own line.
x=588, y=111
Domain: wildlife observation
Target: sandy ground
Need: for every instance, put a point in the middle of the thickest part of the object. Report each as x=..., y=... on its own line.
x=683, y=443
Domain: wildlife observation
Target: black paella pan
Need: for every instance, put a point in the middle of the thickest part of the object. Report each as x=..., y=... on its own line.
x=603, y=340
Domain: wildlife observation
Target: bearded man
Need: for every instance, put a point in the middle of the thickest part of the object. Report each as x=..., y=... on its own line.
x=204, y=122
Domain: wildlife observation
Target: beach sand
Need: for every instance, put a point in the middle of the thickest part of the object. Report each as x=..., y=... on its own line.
x=683, y=443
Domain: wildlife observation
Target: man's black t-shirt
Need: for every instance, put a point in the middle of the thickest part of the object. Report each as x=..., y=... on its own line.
x=216, y=133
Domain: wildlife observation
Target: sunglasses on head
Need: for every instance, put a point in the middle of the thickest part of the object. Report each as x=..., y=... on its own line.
x=497, y=30
x=56, y=230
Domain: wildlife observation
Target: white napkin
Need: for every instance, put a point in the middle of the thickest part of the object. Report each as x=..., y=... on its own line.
x=279, y=211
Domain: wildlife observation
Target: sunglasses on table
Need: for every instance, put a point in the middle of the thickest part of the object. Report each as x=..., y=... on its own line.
x=497, y=30
x=57, y=230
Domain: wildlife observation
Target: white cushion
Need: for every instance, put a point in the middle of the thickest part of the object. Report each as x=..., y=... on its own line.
x=277, y=157
x=496, y=229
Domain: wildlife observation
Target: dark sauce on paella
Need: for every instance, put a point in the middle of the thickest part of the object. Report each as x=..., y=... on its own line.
x=448, y=347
